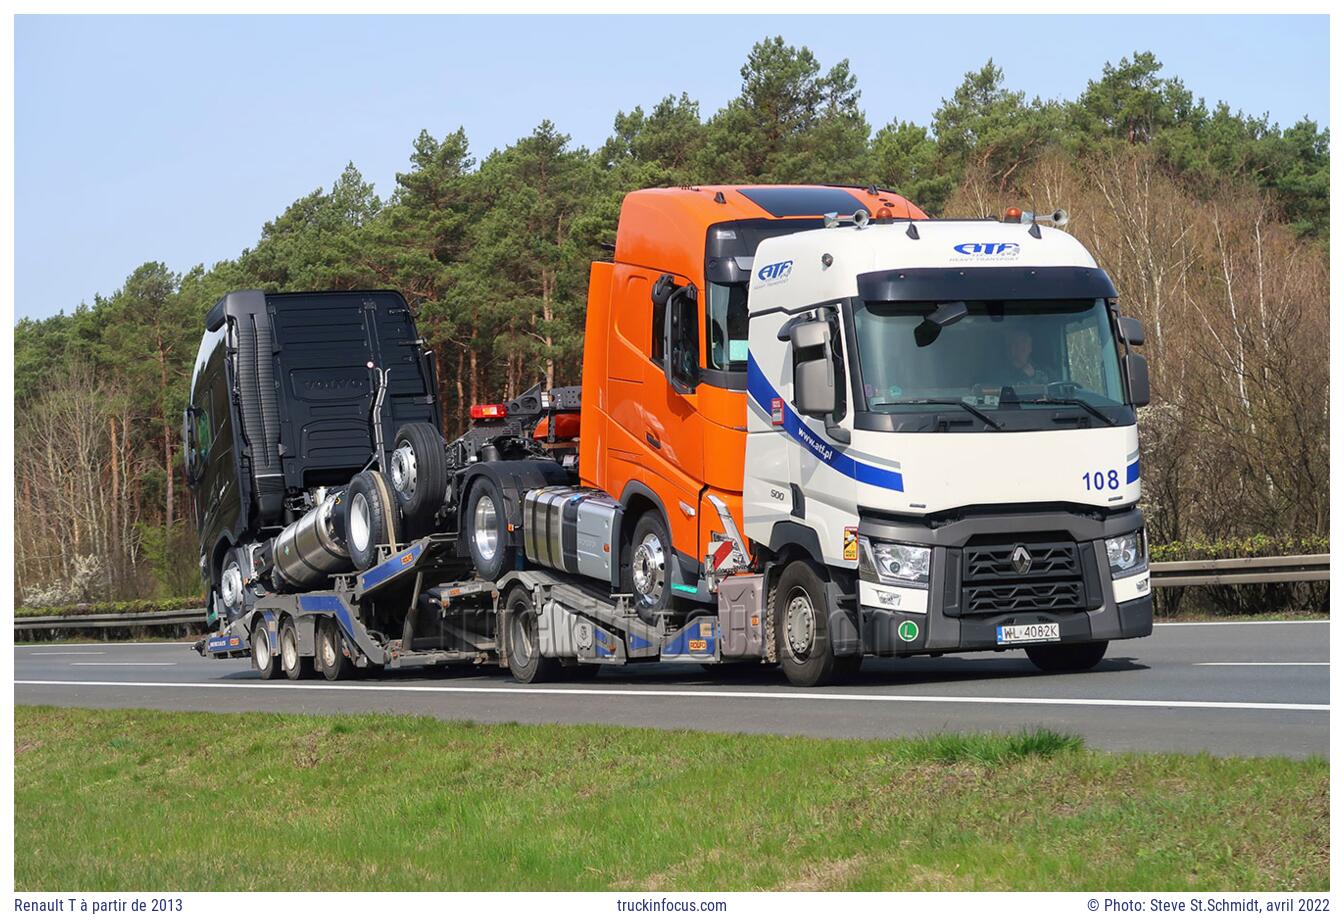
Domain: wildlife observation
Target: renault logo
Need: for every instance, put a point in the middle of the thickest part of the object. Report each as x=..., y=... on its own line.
x=1021, y=559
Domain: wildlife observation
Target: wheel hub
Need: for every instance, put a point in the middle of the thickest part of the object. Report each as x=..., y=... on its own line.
x=231, y=586
x=261, y=644
x=289, y=651
x=359, y=522
x=327, y=648
x=800, y=624
x=485, y=525
x=649, y=567
x=404, y=470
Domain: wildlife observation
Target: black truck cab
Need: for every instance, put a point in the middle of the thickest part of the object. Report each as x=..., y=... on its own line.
x=282, y=403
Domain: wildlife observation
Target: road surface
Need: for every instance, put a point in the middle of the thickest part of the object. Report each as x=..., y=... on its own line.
x=1226, y=688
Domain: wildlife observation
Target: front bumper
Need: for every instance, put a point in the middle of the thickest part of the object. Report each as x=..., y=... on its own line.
x=967, y=600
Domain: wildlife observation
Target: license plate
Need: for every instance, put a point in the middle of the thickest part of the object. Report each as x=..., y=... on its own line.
x=1030, y=632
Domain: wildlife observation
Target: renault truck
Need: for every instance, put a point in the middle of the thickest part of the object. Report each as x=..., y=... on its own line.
x=813, y=425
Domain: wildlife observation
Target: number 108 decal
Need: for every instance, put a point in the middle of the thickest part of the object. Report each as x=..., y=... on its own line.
x=1101, y=479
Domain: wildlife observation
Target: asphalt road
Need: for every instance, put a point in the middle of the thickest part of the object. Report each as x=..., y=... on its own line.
x=1226, y=688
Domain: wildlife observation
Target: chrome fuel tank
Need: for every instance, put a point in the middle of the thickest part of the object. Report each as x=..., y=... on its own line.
x=309, y=550
x=573, y=530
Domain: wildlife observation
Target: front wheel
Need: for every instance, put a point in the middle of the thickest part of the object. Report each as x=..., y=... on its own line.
x=648, y=573
x=802, y=633
x=1058, y=658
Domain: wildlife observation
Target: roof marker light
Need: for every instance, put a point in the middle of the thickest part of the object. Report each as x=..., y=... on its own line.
x=1012, y=216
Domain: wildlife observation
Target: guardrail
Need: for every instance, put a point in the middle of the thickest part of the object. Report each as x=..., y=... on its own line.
x=1184, y=574
x=184, y=619
x=1262, y=571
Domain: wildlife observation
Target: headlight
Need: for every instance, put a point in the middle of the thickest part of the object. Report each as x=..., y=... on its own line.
x=894, y=563
x=1127, y=554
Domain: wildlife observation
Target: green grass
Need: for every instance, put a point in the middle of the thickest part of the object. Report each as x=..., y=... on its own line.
x=139, y=800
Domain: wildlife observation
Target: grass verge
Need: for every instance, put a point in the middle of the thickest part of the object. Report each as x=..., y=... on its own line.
x=141, y=800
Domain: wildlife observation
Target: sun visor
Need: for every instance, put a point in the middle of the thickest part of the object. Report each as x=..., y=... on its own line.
x=1017, y=283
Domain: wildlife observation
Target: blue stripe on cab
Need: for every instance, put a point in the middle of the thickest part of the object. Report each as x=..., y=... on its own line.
x=1132, y=473
x=764, y=395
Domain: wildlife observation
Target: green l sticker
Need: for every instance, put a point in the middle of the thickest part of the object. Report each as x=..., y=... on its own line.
x=908, y=630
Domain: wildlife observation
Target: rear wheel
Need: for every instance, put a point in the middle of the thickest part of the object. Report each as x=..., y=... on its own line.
x=525, y=661
x=371, y=517
x=264, y=659
x=801, y=631
x=486, y=526
x=419, y=474
x=296, y=667
x=331, y=659
x=1080, y=657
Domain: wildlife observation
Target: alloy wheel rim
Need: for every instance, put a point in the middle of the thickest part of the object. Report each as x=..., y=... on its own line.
x=485, y=523
x=359, y=522
x=404, y=470
x=649, y=567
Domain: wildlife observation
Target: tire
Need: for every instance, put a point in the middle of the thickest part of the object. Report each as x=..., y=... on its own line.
x=485, y=522
x=295, y=666
x=1058, y=658
x=646, y=571
x=331, y=659
x=418, y=472
x=525, y=661
x=264, y=660
x=369, y=517
x=801, y=631
x=231, y=591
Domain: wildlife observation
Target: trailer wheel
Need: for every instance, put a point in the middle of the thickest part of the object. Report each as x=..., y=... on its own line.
x=525, y=661
x=1056, y=658
x=485, y=523
x=801, y=630
x=648, y=575
x=296, y=667
x=370, y=517
x=419, y=475
x=331, y=659
x=264, y=659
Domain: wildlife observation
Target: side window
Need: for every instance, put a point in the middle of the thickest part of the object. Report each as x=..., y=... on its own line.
x=684, y=361
x=204, y=431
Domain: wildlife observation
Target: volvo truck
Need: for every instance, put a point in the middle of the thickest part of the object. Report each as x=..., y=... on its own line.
x=814, y=425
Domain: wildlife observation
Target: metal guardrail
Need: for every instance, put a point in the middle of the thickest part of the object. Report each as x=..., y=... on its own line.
x=194, y=617
x=1185, y=574
x=1262, y=571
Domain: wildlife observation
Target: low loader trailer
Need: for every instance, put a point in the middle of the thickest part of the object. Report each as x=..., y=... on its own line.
x=813, y=426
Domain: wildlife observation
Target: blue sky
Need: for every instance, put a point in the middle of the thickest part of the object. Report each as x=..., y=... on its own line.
x=174, y=138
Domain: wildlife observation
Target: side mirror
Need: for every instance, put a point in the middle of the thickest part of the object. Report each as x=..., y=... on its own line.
x=813, y=373
x=189, y=444
x=681, y=338
x=1131, y=330
x=1135, y=368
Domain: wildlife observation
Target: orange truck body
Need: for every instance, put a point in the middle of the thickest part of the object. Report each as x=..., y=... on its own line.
x=641, y=441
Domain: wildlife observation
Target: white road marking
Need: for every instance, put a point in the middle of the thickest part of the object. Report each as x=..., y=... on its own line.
x=69, y=653
x=1262, y=664
x=689, y=694
x=123, y=664
x=1245, y=623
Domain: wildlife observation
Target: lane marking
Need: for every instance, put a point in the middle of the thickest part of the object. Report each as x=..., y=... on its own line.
x=69, y=653
x=1262, y=664
x=123, y=664
x=689, y=694
x=1247, y=623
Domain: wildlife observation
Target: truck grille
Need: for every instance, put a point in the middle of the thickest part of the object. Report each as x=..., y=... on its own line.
x=1023, y=577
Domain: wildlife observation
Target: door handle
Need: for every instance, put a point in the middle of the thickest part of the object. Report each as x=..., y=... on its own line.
x=653, y=440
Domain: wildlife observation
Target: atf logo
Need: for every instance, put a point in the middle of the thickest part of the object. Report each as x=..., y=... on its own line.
x=987, y=249
x=775, y=272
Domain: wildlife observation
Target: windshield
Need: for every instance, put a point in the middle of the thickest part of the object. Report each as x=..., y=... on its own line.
x=1016, y=354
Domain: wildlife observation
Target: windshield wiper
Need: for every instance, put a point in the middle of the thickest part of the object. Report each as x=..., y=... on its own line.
x=1069, y=401
x=947, y=402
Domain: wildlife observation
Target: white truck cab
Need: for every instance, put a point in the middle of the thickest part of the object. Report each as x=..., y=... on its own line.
x=942, y=415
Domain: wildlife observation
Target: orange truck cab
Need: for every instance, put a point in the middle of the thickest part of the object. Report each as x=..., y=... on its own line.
x=664, y=421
